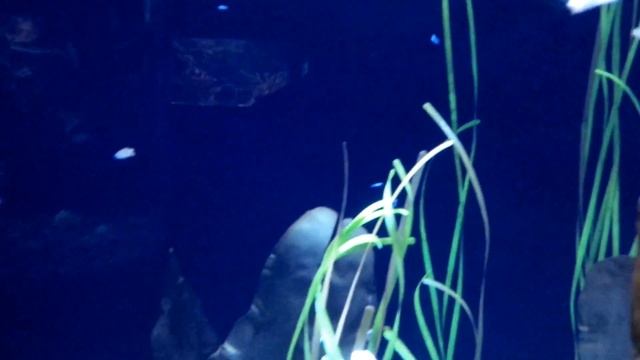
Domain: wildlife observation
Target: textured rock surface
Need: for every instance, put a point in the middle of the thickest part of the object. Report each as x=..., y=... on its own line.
x=604, y=311
x=635, y=328
x=265, y=331
x=182, y=332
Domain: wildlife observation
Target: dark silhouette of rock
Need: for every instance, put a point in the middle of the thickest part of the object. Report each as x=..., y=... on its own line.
x=182, y=332
x=604, y=311
x=264, y=332
x=635, y=325
x=266, y=329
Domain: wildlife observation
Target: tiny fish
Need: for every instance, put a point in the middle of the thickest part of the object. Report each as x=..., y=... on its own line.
x=376, y=185
x=362, y=355
x=435, y=40
x=636, y=32
x=223, y=7
x=124, y=153
x=578, y=6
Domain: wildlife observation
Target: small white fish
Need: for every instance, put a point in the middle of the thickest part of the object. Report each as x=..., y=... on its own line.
x=376, y=185
x=435, y=40
x=578, y=6
x=223, y=7
x=362, y=355
x=124, y=153
x=636, y=32
x=380, y=184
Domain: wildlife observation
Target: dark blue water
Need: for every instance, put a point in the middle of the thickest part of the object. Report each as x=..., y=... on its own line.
x=221, y=184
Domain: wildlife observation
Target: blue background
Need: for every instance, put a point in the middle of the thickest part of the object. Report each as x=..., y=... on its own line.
x=226, y=182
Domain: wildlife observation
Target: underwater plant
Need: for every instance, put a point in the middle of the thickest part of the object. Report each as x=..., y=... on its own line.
x=320, y=336
x=598, y=223
x=392, y=228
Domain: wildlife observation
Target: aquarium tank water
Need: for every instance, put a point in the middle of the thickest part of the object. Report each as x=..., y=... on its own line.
x=319, y=180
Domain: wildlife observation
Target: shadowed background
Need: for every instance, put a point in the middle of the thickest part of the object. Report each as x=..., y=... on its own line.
x=221, y=184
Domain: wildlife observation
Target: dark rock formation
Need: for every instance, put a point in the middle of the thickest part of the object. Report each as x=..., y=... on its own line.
x=182, y=332
x=265, y=331
x=604, y=311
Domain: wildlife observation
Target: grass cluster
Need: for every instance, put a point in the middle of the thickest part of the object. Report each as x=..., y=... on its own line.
x=392, y=227
x=598, y=223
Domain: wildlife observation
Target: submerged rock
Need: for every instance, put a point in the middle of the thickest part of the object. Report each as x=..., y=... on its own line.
x=182, y=332
x=635, y=308
x=264, y=332
x=266, y=329
x=604, y=311
x=635, y=311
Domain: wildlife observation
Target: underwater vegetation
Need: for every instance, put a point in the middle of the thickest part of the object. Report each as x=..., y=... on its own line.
x=397, y=236
x=323, y=291
x=320, y=337
x=602, y=278
x=598, y=239
x=318, y=296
